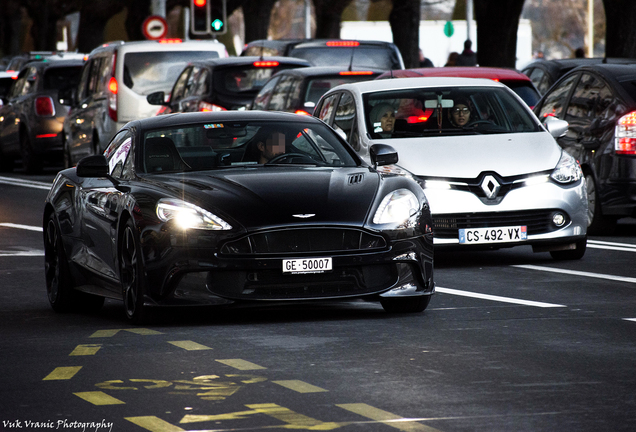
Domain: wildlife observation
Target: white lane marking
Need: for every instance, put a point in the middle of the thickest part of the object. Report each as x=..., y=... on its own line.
x=24, y=227
x=578, y=273
x=25, y=183
x=630, y=319
x=624, y=247
x=496, y=298
x=21, y=253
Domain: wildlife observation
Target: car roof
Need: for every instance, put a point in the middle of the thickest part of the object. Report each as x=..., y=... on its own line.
x=161, y=45
x=247, y=60
x=176, y=119
x=315, y=71
x=423, y=82
x=46, y=64
x=341, y=43
x=493, y=73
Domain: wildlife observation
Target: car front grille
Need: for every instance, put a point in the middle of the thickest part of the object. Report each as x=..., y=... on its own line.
x=537, y=221
x=305, y=240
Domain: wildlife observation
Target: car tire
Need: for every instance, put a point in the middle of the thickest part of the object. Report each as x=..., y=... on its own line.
x=66, y=161
x=31, y=162
x=7, y=163
x=406, y=304
x=597, y=224
x=131, y=275
x=59, y=283
x=571, y=254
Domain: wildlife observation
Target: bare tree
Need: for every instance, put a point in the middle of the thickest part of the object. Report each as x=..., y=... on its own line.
x=329, y=17
x=405, y=25
x=621, y=28
x=497, y=24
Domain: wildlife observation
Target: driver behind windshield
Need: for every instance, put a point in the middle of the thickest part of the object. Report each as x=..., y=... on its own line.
x=460, y=112
x=272, y=146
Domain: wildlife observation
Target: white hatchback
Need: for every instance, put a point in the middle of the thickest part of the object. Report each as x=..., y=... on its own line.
x=494, y=176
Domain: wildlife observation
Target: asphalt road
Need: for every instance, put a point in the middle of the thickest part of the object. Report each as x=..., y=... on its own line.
x=512, y=341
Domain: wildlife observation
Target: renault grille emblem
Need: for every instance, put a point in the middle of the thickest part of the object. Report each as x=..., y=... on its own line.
x=304, y=216
x=490, y=186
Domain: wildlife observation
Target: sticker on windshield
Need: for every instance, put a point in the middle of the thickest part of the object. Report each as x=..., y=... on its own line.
x=213, y=126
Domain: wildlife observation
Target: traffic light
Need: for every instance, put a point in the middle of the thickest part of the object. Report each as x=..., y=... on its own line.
x=200, y=17
x=218, y=17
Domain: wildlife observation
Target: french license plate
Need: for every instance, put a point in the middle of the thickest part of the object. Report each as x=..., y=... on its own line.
x=307, y=265
x=493, y=235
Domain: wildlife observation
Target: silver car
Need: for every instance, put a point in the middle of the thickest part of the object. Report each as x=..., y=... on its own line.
x=494, y=176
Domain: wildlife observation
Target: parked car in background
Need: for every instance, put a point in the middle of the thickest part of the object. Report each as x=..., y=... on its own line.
x=599, y=103
x=32, y=116
x=222, y=84
x=544, y=73
x=361, y=54
x=178, y=211
x=515, y=80
x=493, y=175
x=114, y=84
x=298, y=90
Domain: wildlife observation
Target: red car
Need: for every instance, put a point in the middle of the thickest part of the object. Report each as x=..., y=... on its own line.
x=518, y=82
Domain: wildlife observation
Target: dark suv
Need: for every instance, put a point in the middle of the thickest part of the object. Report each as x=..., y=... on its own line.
x=31, y=117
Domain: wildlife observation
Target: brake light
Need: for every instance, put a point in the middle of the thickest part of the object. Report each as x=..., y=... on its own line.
x=170, y=41
x=44, y=106
x=112, y=85
x=625, y=136
x=113, y=88
x=342, y=43
x=265, y=63
x=207, y=107
x=302, y=112
x=50, y=135
x=356, y=73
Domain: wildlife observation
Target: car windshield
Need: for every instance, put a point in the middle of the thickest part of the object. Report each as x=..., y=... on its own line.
x=418, y=112
x=213, y=146
x=360, y=57
x=148, y=72
x=61, y=77
x=245, y=79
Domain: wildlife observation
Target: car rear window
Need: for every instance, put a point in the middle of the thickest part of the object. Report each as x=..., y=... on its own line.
x=244, y=79
x=149, y=72
x=525, y=91
x=377, y=57
x=58, y=78
x=319, y=86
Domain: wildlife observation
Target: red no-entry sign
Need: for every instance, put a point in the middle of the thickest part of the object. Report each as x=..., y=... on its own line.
x=155, y=27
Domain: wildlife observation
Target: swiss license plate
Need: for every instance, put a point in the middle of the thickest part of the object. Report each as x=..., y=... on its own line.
x=493, y=235
x=307, y=265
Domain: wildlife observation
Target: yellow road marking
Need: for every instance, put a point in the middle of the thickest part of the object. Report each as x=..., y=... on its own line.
x=239, y=415
x=62, y=373
x=241, y=364
x=385, y=417
x=294, y=420
x=189, y=345
x=154, y=424
x=113, y=332
x=299, y=386
x=88, y=349
x=99, y=398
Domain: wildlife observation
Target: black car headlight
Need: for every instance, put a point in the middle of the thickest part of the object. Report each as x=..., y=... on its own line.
x=187, y=215
x=397, y=208
x=567, y=170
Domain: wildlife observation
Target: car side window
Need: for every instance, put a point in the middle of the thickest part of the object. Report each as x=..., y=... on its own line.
x=93, y=81
x=327, y=108
x=180, y=85
x=202, y=86
x=104, y=72
x=555, y=101
x=540, y=79
x=345, y=116
x=262, y=99
x=191, y=81
x=279, y=95
x=119, y=155
x=294, y=94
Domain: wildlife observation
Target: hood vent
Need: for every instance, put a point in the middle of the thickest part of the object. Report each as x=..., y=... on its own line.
x=355, y=178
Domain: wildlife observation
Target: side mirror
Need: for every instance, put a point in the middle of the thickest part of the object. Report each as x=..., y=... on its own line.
x=557, y=128
x=92, y=166
x=383, y=154
x=156, y=98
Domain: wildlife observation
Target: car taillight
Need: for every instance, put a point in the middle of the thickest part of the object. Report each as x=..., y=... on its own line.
x=265, y=63
x=625, y=136
x=342, y=43
x=207, y=107
x=113, y=88
x=356, y=73
x=302, y=112
x=44, y=106
x=170, y=41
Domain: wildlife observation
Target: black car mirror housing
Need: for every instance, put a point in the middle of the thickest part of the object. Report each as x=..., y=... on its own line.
x=92, y=167
x=156, y=98
x=383, y=154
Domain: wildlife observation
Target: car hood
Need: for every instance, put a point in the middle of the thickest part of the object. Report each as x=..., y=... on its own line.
x=468, y=156
x=277, y=196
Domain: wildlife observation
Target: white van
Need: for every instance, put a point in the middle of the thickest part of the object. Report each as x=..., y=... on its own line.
x=114, y=84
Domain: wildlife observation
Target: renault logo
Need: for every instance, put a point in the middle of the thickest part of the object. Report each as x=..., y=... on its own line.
x=490, y=186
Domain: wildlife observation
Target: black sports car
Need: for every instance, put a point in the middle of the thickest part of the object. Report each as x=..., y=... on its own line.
x=233, y=207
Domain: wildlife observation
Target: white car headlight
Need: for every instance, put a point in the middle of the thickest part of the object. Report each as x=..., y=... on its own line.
x=397, y=208
x=567, y=170
x=188, y=215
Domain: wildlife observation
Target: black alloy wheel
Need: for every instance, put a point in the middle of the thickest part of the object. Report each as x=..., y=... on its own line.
x=596, y=222
x=131, y=275
x=406, y=304
x=59, y=284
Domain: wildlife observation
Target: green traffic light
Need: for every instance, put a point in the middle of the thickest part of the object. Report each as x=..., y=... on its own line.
x=217, y=24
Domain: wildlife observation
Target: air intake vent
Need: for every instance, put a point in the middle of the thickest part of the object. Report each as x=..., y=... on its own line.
x=356, y=178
